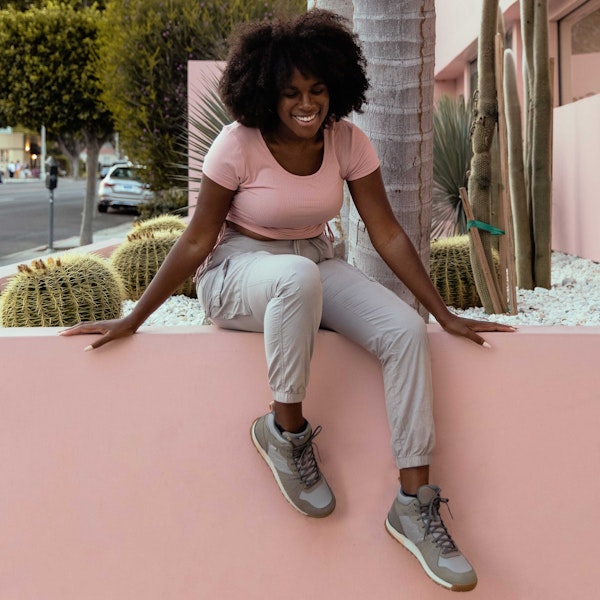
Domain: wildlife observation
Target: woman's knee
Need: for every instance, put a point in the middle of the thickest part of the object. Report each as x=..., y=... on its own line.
x=407, y=333
x=299, y=275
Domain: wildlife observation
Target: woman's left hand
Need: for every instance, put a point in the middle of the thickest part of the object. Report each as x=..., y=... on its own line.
x=469, y=327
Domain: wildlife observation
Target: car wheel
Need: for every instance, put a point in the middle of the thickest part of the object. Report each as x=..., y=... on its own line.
x=102, y=208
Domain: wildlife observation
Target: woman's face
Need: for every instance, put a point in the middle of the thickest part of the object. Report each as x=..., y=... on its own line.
x=302, y=107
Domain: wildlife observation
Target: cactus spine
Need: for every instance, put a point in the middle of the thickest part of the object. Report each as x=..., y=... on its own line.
x=62, y=292
x=160, y=223
x=139, y=257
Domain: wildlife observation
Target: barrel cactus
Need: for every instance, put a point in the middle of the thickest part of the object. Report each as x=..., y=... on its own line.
x=62, y=292
x=139, y=257
x=451, y=272
x=160, y=223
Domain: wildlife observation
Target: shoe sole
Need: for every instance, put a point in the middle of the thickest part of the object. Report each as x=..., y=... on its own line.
x=414, y=550
x=271, y=466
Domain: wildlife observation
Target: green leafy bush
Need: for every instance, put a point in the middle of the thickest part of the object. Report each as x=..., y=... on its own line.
x=173, y=200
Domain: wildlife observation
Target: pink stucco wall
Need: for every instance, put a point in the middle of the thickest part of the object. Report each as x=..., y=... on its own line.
x=576, y=210
x=128, y=472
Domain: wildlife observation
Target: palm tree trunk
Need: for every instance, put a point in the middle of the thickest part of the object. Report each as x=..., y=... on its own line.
x=398, y=38
x=345, y=8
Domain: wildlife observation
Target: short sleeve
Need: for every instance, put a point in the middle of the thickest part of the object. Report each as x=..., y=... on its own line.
x=355, y=152
x=223, y=162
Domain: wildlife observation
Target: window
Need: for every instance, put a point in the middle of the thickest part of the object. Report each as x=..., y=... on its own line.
x=579, y=35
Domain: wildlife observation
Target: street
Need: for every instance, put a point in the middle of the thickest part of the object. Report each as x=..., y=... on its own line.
x=25, y=214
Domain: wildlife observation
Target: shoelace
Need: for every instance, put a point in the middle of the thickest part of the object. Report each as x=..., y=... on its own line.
x=305, y=460
x=430, y=515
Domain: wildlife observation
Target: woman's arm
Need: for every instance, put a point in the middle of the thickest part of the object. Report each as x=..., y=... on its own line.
x=190, y=251
x=393, y=245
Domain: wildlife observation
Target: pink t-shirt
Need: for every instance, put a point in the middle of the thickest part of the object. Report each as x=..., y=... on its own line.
x=275, y=203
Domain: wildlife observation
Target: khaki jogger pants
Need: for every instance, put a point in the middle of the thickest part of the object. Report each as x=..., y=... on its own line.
x=288, y=289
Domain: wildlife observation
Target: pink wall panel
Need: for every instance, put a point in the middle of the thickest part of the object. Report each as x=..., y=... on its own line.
x=128, y=472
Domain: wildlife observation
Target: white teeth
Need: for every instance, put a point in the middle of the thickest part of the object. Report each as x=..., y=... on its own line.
x=305, y=119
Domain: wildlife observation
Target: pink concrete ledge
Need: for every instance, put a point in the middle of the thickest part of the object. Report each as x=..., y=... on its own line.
x=128, y=472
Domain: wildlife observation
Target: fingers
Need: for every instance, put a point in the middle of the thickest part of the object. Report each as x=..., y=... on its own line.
x=97, y=343
x=468, y=328
x=83, y=328
x=474, y=326
x=470, y=334
x=109, y=330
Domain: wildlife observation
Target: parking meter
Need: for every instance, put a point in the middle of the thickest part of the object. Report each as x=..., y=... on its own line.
x=51, y=183
x=52, y=175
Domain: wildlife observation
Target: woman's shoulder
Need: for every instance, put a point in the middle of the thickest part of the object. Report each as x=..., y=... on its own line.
x=237, y=131
x=234, y=138
x=345, y=132
x=354, y=151
x=343, y=127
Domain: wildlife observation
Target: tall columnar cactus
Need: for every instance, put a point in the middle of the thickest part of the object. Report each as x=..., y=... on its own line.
x=518, y=191
x=160, y=223
x=451, y=272
x=485, y=118
x=139, y=257
x=540, y=99
x=62, y=292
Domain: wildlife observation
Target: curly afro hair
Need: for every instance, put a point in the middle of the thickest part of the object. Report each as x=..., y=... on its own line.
x=263, y=56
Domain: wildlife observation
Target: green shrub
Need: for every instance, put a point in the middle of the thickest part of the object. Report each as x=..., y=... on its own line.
x=451, y=162
x=173, y=200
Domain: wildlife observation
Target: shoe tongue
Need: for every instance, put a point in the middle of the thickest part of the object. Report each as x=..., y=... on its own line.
x=297, y=438
x=426, y=493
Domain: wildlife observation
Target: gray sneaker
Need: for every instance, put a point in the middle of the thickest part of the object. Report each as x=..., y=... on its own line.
x=291, y=459
x=417, y=525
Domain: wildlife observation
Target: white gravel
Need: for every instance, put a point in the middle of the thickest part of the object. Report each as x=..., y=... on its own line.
x=574, y=299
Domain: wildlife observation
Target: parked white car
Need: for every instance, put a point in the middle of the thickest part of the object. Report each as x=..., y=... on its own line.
x=122, y=188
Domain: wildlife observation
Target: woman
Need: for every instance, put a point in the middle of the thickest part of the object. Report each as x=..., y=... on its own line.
x=263, y=260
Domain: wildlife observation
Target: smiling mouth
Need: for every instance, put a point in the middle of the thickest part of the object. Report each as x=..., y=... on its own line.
x=305, y=119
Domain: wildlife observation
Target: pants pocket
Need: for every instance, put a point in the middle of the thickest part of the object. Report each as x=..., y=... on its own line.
x=220, y=291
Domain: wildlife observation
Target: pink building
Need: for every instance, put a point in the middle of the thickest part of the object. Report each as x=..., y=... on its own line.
x=575, y=50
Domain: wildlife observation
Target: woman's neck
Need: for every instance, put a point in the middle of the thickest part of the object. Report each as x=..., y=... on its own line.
x=297, y=156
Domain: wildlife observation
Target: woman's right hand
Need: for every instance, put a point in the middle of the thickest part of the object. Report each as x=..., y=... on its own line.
x=110, y=330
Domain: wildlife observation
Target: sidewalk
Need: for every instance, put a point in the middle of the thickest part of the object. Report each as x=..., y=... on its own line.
x=60, y=246
x=10, y=181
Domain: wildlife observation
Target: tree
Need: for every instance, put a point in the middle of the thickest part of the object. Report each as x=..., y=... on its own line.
x=146, y=48
x=49, y=77
x=398, y=39
x=341, y=7
x=23, y=5
x=345, y=8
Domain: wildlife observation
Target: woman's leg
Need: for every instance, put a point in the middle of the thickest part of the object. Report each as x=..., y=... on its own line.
x=375, y=318
x=378, y=320
x=280, y=295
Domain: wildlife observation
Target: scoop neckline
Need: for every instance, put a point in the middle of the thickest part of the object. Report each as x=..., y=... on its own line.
x=282, y=168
